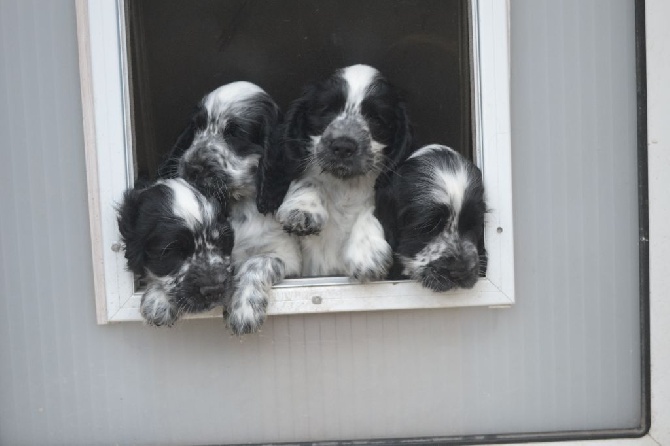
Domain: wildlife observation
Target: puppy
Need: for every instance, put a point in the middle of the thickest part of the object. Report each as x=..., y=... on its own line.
x=340, y=141
x=179, y=241
x=438, y=227
x=219, y=153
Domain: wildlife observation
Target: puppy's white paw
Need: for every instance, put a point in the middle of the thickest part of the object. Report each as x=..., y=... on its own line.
x=366, y=265
x=303, y=211
x=301, y=222
x=367, y=255
x=247, y=311
x=156, y=308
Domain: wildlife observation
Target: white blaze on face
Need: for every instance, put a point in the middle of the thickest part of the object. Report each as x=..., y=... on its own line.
x=185, y=203
x=224, y=97
x=450, y=185
x=450, y=188
x=424, y=150
x=358, y=78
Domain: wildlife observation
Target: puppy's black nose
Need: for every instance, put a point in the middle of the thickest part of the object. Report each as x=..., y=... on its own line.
x=451, y=266
x=457, y=268
x=343, y=147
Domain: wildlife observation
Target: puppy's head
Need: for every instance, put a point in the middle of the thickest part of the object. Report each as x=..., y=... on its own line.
x=234, y=129
x=353, y=123
x=441, y=211
x=181, y=242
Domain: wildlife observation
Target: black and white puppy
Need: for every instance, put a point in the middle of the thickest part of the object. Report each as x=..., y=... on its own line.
x=181, y=243
x=438, y=229
x=219, y=153
x=340, y=141
x=219, y=150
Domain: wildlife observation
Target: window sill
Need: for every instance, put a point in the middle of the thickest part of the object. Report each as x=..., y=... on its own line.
x=339, y=294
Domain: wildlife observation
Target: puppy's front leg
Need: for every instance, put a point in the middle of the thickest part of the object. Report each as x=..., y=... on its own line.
x=253, y=281
x=367, y=255
x=303, y=211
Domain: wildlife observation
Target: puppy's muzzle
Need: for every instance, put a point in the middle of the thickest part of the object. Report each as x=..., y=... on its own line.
x=213, y=291
x=348, y=133
x=213, y=284
x=344, y=149
x=455, y=269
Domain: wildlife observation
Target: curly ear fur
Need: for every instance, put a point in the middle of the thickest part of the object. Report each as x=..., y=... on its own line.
x=198, y=121
x=386, y=209
x=284, y=159
x=270, y=173
x=400, y=149
x=272, y=118
x=127, y=215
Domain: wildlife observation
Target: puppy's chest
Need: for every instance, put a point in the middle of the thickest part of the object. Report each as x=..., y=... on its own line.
x=345, y=201
x=345, y=204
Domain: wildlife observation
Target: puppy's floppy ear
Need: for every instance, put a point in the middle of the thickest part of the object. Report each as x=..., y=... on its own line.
x=271, y=119
x=386, y=211
x=284, y=159
x=127, y=219
x=401, y=147
x=271, y=184
x=198, y=122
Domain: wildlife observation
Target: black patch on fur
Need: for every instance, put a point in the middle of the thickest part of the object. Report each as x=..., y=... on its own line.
x=145, y=233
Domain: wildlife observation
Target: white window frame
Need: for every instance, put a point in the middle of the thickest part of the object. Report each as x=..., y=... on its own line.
x=108, y=145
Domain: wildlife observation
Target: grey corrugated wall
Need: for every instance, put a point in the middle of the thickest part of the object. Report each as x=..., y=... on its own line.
x=564, y=357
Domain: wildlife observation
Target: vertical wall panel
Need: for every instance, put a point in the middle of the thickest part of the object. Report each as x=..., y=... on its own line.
x=564, y=357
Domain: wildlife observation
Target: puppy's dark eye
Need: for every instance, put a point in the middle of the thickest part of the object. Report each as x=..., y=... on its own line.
x=381, y=125
x=378, y=120
x=165, y=242
x=162, y=250
x=435, y=223
x=233, y=129
x=326, y=109
x=166, y=257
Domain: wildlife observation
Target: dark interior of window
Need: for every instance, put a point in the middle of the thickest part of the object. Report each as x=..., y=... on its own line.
x=179, y=50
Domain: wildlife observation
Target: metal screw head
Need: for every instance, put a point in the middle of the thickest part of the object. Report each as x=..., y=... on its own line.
x=116, y=246
x=316, y=300
x=499, y=230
